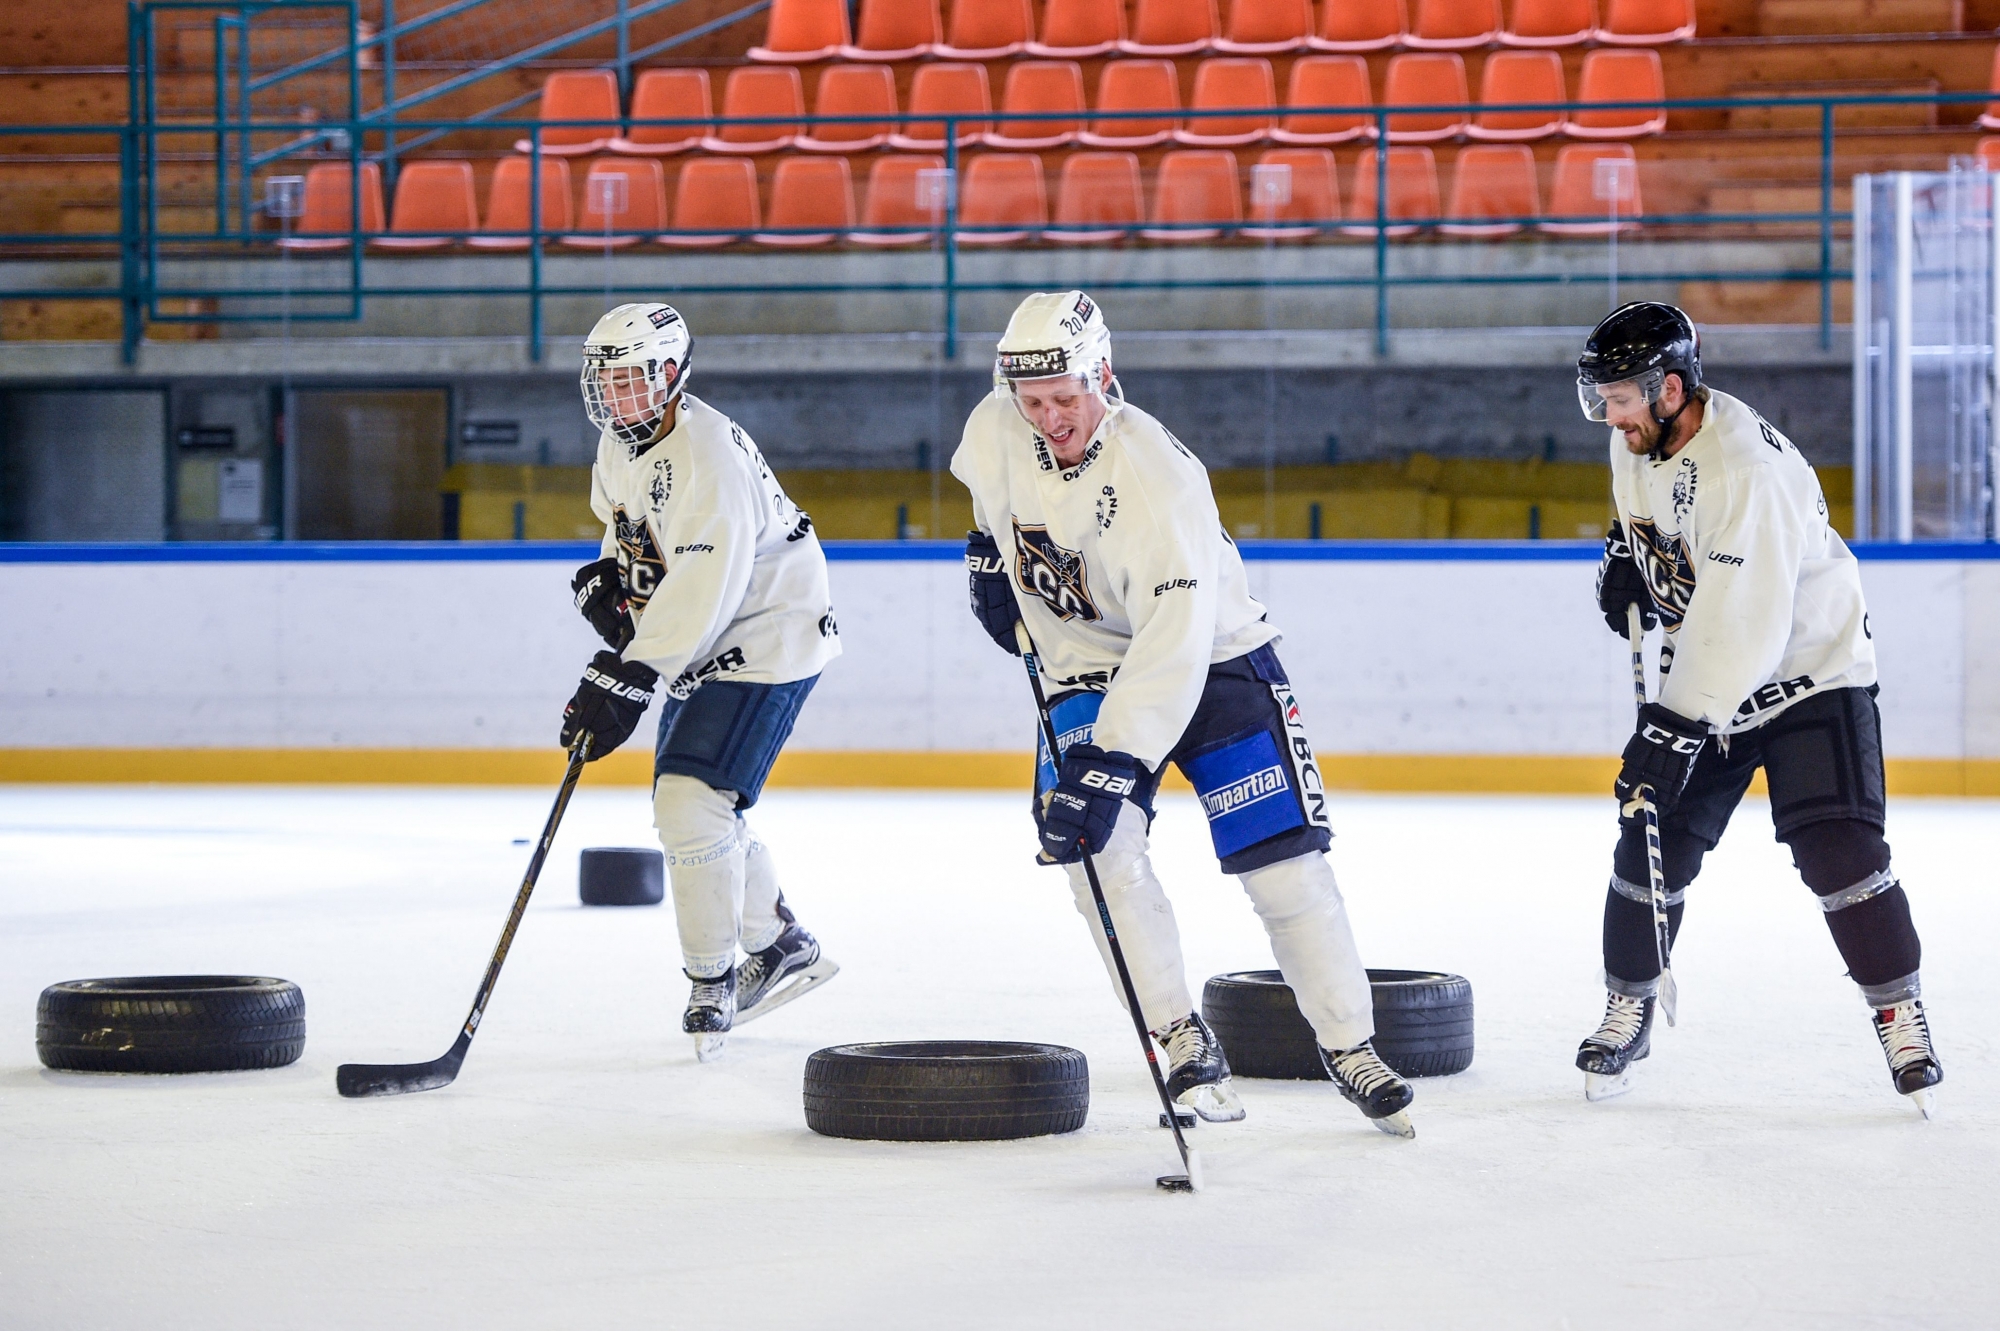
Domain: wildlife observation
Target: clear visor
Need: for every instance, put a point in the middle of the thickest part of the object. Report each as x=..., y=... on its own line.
x=1061, y=393
x=1624, y=400
x=627, y=395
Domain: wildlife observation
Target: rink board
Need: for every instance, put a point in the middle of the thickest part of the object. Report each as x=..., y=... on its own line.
x=1437, y=666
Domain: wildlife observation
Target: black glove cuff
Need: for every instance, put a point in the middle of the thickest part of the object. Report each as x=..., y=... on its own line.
x=1670, y=730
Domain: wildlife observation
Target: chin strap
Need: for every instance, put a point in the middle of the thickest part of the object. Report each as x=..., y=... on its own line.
x=1666, y=424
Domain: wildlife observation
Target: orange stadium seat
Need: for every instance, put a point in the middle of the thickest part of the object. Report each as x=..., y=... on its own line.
x=802, y=31
x=809, y=192
x=1043, y=86
x=1521, y=77
x=1097, y=199
x=946, y=90
x=906, y=193
x=1990, y=118
x=1431, y=78
x=667, y=94
x=852, y=90
x=1195, y=185
x=1619, y=76
x=1588, y=176
x=507, y=202
x=577, y=94
x=1293, y=194
x=1266, y=27
x=1413, y=190
x=1452, y=25
x=329, y=206
x=754, y=92
x=1327, y=80
x=1989, y=152
x=1171, y=27
x=987, y=29
x=1080, y=29
x=1360, y=25
x=1135, y=85
x=715, y=203
x=1005, y=195
x=1550, y=23
x=1492, y=181
x=1227, y=83
x=620, y=194
x=896, y=30
x=1646, y=22
x=431, y=196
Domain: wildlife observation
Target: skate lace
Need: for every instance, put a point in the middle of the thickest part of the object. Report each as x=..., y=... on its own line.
x=1362, y=1069
x=710, y=993
x=1185, y=1042
x=1905, y=1036
x=1623, y=1019
x=751, y=973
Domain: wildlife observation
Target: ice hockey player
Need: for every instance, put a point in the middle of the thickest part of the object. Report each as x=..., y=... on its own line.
x=1722, y=535
x=712, y=580
x=1096, y=528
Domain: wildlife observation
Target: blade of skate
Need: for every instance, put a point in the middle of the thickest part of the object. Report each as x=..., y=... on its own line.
x=708, y=1045
x=797, y=985
x=1925, y=1099
x=1606, y=1086
x=1215, y=1103
x=1397, y=1125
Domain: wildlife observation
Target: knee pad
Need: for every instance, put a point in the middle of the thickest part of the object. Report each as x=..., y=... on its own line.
x=1680, y=857
x=1292, y=888
x=1836, y=854
x=697, y=823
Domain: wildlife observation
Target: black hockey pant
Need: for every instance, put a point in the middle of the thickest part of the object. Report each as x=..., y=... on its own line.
x=1822, y=758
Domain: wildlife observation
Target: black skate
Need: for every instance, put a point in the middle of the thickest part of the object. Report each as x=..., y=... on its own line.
x=711, y=1011
x=1369, y=1085
x=1198, y=1074
x=1906, y=1042
x=792, y=966
x=1623, y=1038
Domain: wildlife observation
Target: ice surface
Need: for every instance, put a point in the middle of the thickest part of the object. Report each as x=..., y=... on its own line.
x=585, y=1172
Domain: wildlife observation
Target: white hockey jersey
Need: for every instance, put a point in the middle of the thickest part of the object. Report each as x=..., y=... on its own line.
x=723, y=572
x=1760, y=598
x=1124, y=575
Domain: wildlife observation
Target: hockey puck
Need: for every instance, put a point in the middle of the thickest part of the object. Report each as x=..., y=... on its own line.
x=1174, y=1183
x=1184, y=1117
x=170, y=1023
x=621, y=876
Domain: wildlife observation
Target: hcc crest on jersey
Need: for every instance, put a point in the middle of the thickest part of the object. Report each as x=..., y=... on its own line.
x=1045, y=569
x=1667, y=567
x=638, y=558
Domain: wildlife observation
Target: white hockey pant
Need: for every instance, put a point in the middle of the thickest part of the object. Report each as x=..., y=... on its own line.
x=725, y=885
x=1298, y=901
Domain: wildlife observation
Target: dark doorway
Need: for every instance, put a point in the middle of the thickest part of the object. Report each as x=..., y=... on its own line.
x=369, y=465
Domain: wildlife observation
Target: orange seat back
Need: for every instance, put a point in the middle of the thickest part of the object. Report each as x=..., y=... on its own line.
x=954, y=88
x=1083, y=22
x=329, y=199
x=1413, y=185
x=1197, y=185
x=1495, y=180
x=435, y=196
x=1989, y=152
x=1456, y=20
x=580, y=94
x=987, y=25
x=1270, y=20
x=644, y=196
x=1520, y=76
x=716, y=194
x=1648, y=18
x=1311, y=193
x=898, y=25
x=1552, y=18
x=762, y=90
x=1363, y=21
x=671, y=94
x=1005, y=189
x=1231, y=81
x=1613, y=75
x=900, y=194
x=1328, y=80
x=809, y=192
x=507, y=195
x=1582, y=191
x=1137, y=85
x=854, y=90
x=1427, y=78
x=1100, y=188
x=1042, y=85
x=1174, y=22
x=806, y=25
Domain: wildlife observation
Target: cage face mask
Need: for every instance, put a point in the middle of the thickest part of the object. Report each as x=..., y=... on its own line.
x=635, y=363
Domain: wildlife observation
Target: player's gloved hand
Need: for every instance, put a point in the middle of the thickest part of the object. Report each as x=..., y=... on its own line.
x=1083, y=807
x=992, y=594
x=1659, y=755
x=1619, y=584
x=600, y=595
x=609, y=702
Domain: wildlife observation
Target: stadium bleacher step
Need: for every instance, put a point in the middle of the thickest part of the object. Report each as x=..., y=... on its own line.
x=1816, y=18
x=1909, y=115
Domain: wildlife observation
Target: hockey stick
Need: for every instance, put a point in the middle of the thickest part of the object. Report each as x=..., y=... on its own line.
x=355, y=1080
x=1190, y=1159
x=1656, y=871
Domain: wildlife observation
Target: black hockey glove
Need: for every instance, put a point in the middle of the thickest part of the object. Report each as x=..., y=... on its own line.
x=1083, y=807
x=600, y=595
x=609, y=702
x=1619, y=584
x=992, y=594
x=1660, y=755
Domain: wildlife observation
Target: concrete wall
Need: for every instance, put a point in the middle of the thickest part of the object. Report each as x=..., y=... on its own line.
x=432, y=649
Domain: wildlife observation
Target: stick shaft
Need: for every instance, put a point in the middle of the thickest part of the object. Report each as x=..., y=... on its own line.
x=1656, y=870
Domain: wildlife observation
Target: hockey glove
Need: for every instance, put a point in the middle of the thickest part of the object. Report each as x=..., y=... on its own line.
x=600, y=595
x=1083, y=808
x=609, y=702
x=992, y=594
x=1619, y=584
x=1659, y=755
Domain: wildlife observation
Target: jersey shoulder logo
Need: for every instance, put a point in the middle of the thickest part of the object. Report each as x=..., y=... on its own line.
x=638, y=558
x=1056, y=575
x=662, y=484
x=1684, y=485
x=1668, y=567
x=1107, y=507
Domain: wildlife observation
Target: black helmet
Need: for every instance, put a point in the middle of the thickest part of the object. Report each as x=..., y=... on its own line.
x=1645, y=342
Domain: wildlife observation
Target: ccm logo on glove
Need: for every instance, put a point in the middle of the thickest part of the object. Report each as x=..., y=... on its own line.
x=1678, y=743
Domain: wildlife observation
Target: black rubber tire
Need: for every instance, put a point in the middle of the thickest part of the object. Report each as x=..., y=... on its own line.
x=1423, y=1024
x=170, y=1023
x=946, y=1090
x=621, y=876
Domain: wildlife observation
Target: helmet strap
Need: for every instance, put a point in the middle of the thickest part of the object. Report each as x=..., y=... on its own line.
x=1666, y=423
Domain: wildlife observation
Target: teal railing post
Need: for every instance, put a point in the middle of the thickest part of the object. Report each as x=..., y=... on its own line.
x=354, y=156
x=388, y=43
x=535, y=243
x=624, y=52
x=221, y=129
x=1381, y=233
x=1826, y=225
x=130, y=326
x=243, y=105
x=950, y=240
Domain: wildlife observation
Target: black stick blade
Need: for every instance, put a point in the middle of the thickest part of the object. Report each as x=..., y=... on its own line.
x=359, y=1080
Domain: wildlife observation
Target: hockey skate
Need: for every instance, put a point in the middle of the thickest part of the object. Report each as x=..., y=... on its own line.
x=1906, y=1042
x=1197, y=1073
x=711, y=1011
x=1623, y=1038
x=1369, y=1085
x=789, y=968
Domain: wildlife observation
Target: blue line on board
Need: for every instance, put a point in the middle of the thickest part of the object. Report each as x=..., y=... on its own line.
x=475, y=552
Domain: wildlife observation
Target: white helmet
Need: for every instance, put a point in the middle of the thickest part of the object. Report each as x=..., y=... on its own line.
x=1055, y=334
x=650, y=337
